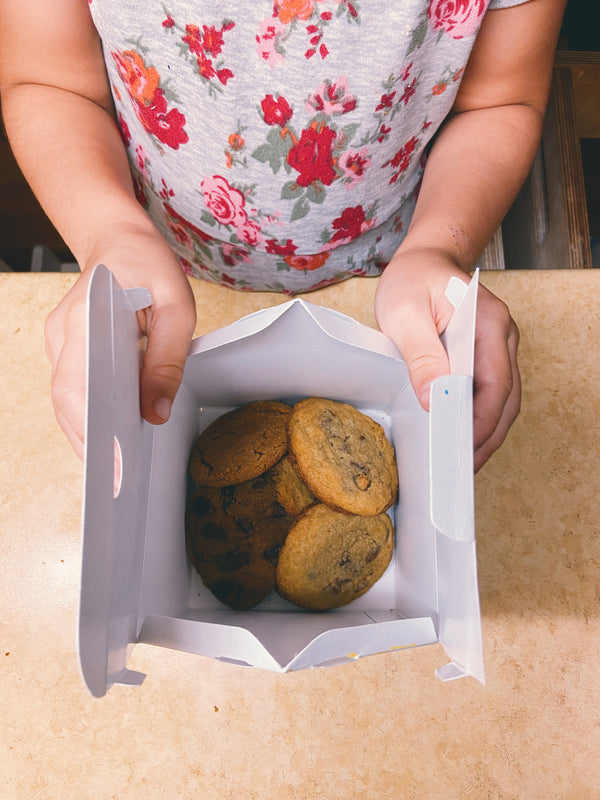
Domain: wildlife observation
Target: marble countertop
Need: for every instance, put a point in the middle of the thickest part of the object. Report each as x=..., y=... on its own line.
x=382, y=727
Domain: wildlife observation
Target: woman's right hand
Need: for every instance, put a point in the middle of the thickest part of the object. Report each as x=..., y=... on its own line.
x=137, y=257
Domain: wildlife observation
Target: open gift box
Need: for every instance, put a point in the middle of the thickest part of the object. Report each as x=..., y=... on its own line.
x=137, y=584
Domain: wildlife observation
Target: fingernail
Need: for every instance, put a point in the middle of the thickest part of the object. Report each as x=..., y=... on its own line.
x=162, y=407
x=424, y=395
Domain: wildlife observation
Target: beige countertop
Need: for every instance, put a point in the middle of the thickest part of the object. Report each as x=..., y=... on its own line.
x=380, y=728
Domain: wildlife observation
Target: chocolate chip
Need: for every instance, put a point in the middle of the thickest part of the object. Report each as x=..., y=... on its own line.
x=271, y=554
x=362, y=482
x=232, y=560
x=372, y=554
x=212, y=531
x=201, y=506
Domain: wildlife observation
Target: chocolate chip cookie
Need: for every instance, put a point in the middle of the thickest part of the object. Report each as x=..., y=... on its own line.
x=343, y=456
x=292, y=493
x=241, y=444
x=330, y=558
x=233, y=536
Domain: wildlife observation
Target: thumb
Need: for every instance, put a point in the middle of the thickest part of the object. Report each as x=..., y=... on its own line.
x=415, y=334
x=169, y=336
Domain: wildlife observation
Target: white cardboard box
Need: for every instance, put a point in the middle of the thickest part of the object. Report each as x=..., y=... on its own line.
x=137, y=584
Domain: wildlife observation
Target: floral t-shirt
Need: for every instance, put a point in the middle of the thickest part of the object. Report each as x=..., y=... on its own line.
x=279, y=145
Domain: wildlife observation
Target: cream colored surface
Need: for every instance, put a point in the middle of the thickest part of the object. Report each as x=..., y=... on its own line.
x=383, y=727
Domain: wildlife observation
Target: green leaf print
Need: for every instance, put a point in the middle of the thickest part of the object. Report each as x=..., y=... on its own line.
x=418, y=36
x=300, y=210
x=291, y=190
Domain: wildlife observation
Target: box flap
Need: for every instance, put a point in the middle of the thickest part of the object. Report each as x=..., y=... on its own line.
x=113, y=530
x=452, y=494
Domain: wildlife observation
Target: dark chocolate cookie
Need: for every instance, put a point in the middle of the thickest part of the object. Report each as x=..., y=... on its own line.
x=234, y=535
x=241, y=444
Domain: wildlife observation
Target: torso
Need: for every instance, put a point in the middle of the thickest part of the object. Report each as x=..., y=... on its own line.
x=280, y=147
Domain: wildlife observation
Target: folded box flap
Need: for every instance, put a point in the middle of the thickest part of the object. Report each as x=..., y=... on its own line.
x=281, y=347
x=333, y=323
x=452, y=493
x=113, y=533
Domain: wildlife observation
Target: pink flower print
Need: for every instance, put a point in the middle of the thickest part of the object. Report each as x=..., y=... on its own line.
x=332, y=98
x=169, y=22
x=249, y=232
x=354, y=164
x=227, y=206
x=406, y=74
x=457, y=18
x=234, y=254
x=268, y=46
x=225, y=203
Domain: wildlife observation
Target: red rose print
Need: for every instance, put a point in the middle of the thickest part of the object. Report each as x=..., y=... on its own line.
x=276, y=111
x=167, y=126
x=349, y=225
x=125, y=132
x=311, y=157
x=178, y=218
x=287, y=249
x=306, y=263
x=207, y=45
x=149, y=100
x=386, y=101
x=402, y=159
x=408, y=92
x=212, y=40
x=457, y=18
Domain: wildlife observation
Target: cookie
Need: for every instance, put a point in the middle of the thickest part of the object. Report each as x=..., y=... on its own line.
x=241, y=444
x=330, y=558
x=343, y=456
x=233, y=537
x=292, y=493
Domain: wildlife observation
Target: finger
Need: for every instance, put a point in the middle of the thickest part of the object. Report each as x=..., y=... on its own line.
x=169, y=336
x=509, y=415
x=496, y=343
x=68, y=393
x=485, y=447
x=415, y=334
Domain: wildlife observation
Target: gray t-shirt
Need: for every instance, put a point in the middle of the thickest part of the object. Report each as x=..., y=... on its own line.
x=280, y=146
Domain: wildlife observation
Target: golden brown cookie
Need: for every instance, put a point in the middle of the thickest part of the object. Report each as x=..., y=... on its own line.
x=292, y=493
x=330, y=558
x=343, y=456
x=233, y=537
x=241, y=444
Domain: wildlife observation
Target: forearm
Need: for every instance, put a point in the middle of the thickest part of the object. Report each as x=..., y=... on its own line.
x=476, y=166
x=71, y=153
